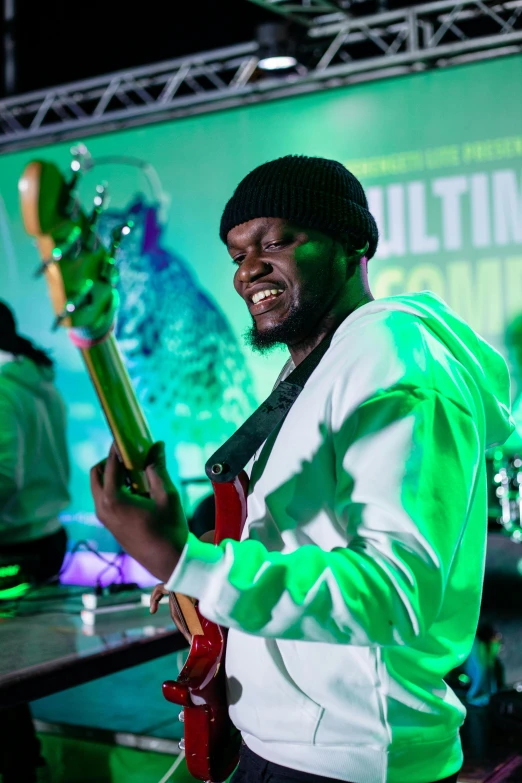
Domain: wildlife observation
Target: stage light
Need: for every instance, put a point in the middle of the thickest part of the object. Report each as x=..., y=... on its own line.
x=277, y=63
x=276, y=47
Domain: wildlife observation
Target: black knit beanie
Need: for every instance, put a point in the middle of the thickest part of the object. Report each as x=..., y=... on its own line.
x=312, y=192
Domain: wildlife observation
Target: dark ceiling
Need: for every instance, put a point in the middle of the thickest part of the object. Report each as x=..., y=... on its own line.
x=59, y=41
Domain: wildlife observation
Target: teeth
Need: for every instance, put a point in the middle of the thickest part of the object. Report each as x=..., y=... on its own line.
x=257, y=297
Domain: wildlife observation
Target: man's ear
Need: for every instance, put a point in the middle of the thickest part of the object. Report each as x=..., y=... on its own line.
x=354, y=254
x=359, y=251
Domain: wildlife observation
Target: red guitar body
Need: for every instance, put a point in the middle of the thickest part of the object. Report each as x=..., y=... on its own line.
x=211, y=741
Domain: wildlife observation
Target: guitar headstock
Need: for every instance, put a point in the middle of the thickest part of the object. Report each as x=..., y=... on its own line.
x=80, y=271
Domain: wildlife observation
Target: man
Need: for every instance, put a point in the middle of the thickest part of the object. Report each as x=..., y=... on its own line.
x=34, y=473
x=357, y=584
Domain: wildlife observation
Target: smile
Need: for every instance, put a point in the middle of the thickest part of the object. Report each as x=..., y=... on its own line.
x=264, y=300
x=268, y=293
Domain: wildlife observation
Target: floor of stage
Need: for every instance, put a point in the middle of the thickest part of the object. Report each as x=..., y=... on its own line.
x=126, y=711
x=127, y=702
x=125, y=707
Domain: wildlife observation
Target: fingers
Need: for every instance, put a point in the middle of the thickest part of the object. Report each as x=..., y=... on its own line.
x=156, y=470
x=157, y=594
x=96, y=478
x=208, y=537
x=113, y=476
x=107, y=478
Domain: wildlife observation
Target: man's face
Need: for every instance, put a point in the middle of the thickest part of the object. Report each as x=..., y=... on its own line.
x=288, y=276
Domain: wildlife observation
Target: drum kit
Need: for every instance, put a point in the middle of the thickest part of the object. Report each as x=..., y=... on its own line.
x=504, y=474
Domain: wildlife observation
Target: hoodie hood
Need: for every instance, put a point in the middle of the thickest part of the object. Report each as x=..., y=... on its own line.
x=23, y=371
x=486, y=366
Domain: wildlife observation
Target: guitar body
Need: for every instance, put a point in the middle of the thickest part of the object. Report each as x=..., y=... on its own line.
x=211, y=740
x=81, y=275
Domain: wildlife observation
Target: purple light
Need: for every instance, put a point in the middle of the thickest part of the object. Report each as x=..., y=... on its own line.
x=83, y=568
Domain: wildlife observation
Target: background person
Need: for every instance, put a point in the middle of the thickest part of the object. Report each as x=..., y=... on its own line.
x=34, y=474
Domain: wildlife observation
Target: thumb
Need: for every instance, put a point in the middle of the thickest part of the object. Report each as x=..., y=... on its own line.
x=157, y=594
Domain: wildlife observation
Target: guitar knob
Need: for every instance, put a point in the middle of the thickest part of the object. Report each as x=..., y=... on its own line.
x=181, y=744
x=181, y=716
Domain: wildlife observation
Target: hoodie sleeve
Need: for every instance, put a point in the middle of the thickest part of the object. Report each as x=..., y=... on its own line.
x=11, y=443
x=406, y=462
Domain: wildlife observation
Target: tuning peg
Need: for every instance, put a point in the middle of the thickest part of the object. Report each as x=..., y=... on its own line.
x=70, y=248
x=109, y=271
x=73, y=305
x=41, y=268
x=76, y=171
x=99, y=202
x=82, y=158
x=56, y=256
x=81, y=162
x=118, y=234
x=100, y=199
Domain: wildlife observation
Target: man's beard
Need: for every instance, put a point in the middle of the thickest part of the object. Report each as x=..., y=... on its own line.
x=295, y=328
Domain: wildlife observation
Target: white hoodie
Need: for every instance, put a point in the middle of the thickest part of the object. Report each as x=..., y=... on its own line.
x=356, y=587
x=34, y=466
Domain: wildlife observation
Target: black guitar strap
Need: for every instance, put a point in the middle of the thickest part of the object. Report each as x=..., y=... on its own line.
x=230, y=459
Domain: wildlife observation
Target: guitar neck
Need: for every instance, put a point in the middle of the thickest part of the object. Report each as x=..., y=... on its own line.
x=121, y=407
x=131, y=434
x=81, y=276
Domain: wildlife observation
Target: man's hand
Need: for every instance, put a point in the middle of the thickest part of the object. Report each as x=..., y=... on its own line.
x=157, y=594
x=153, y=530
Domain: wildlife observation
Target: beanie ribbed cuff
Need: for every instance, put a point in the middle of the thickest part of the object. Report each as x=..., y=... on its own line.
x=311, y=192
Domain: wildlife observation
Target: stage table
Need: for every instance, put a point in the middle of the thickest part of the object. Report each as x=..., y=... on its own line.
x=45, y=648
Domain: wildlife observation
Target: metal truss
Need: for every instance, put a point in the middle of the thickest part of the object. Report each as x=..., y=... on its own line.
x=307, y=12
x=127, y=97
x=432, y=34
x=335, y=50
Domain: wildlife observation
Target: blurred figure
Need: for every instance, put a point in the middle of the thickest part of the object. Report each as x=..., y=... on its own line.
x=34, y=474
x=476, y=682
x=34, y=465
x=483, y=666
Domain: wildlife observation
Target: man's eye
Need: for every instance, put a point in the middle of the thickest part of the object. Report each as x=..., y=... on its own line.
x=238, y=259
x=276, y=244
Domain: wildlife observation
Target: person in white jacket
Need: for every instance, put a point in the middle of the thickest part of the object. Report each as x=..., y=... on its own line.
x=356, y=586
x=34, y=473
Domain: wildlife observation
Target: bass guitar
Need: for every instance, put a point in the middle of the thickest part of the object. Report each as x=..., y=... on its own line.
x=82, y=276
